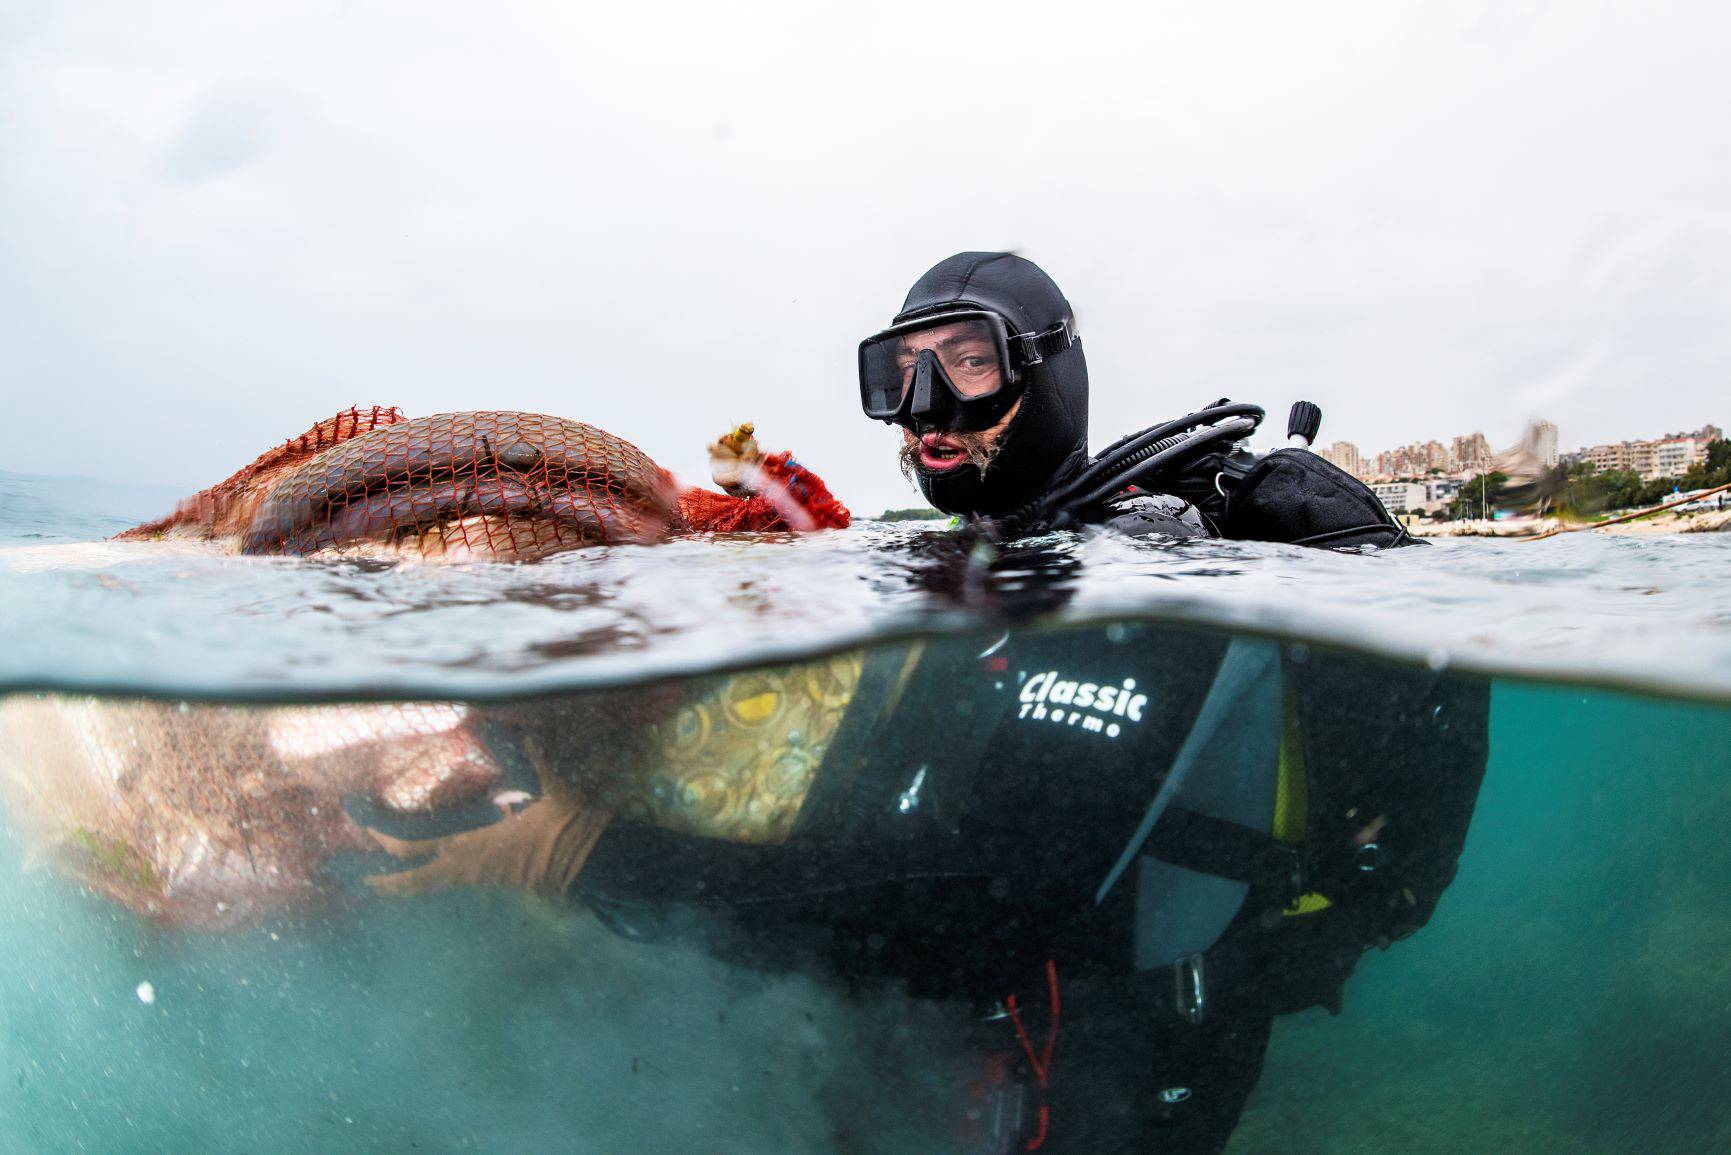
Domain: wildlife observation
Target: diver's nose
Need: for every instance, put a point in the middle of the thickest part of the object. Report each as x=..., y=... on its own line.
x=922, y=407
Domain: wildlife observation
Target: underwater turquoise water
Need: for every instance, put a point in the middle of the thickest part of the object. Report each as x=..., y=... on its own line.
x=1572, y=992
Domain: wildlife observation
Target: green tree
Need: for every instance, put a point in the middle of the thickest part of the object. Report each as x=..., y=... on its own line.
x=1716, y=470
x=1719, y=459
x=1478, y=496
x=1581, y=491
x=919, y=513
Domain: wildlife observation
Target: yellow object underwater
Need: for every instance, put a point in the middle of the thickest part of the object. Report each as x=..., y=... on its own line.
x=738, y=759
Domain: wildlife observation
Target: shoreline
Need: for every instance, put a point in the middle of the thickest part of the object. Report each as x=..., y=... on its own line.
x=1710, y=521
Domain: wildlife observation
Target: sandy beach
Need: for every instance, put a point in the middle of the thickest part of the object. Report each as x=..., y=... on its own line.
x=1710, y=521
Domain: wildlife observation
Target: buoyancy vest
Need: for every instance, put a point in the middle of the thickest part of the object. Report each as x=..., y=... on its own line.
x=1289, y=495
x=974, y=802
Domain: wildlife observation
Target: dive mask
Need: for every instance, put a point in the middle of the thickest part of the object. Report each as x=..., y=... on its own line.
x=959, y=370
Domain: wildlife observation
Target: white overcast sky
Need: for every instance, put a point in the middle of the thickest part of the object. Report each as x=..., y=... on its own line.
x=221, y=221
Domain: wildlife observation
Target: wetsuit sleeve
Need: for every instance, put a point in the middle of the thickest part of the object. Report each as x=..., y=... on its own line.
x=1406, y=747
x=789, y=496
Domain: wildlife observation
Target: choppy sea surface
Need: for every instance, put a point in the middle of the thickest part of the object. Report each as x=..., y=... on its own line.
x=79, y=613
x=1571, y=992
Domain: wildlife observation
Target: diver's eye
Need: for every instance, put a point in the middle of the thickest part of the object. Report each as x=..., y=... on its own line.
x=973, y=365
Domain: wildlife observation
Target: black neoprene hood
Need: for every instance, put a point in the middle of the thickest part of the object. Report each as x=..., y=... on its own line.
x=1048, y=437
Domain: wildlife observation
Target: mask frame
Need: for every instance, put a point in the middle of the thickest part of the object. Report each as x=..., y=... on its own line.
x=930, y=398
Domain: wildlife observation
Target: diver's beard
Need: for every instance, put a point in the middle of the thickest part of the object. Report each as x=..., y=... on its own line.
x=979, y=448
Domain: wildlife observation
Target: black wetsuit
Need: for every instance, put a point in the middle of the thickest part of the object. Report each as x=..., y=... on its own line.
x=958, y=843
x=987, y=836
x=1091, y=815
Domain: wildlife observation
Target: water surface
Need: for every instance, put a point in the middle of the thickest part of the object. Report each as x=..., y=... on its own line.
x=1571, y=992
x=80, y=613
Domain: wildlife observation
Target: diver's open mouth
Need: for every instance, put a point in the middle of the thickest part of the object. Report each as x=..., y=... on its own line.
x=940, y=453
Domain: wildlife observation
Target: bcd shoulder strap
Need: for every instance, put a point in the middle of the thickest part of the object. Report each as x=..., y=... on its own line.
x=1369, y=745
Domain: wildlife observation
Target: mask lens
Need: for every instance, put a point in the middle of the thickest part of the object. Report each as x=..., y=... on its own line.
x=971, y=349
x=881, y=381
x=968, y=352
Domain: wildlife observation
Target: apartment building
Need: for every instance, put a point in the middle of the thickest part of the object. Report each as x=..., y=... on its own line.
x=1667, y=456
x=1545, y=443
x=1401, y=496
x=1467, y=454
x=1346, y=455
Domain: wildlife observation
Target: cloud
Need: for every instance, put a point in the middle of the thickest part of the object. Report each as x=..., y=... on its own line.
x=224, y=134
x=218, y=224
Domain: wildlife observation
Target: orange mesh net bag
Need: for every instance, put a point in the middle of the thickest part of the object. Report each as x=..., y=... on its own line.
x=481, y=486
x=789, y=497
x=454, y=486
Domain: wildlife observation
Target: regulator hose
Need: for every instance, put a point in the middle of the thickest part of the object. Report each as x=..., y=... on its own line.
x=1168, y=453
x=1142, y=456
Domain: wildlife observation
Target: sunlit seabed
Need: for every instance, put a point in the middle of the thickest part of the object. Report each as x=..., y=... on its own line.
x=1571, y=992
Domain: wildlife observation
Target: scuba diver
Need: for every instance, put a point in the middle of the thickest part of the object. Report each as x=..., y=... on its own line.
x=983, y=371
x=1116, y=853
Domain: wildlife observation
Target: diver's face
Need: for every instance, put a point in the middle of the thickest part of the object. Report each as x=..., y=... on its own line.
x=965, y=349
x=939, y=451
x=969, y=356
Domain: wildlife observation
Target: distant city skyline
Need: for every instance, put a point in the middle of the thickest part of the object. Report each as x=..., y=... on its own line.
x=1668, y=454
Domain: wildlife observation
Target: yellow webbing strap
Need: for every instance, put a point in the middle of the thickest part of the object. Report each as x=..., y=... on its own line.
x=1292, y=792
